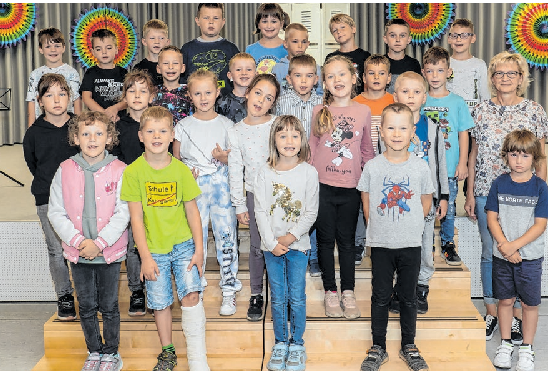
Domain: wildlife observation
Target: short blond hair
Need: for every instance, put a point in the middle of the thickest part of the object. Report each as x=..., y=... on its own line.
x=398, y=108
x=507, y=57
x=375, y=60
x=241, y=55
x=341, y=18
x=303, y=60
x=155, y=24
x=295, y=27
x=410, y=75
x=155, y=113
x=88, y=118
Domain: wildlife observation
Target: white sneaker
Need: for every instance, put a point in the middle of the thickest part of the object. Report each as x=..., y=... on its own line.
x=526, y=361
x=503, y=358
x=228, y=307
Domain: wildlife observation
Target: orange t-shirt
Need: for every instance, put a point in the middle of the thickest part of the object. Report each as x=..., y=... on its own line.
x=376, y=106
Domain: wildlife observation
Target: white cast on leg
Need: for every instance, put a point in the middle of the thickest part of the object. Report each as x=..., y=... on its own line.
x=193, y=322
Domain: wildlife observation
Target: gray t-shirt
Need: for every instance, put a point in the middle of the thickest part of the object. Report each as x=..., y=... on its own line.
x=396, y=217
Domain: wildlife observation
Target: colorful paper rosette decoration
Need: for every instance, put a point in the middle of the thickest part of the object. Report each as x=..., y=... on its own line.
x=112, y=19
x=427, y=21
x=527, y=32
x=16, y=22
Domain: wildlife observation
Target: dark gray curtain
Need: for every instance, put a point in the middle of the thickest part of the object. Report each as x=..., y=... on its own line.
x=16, y=63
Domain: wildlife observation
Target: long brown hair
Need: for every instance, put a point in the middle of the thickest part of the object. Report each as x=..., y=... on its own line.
x=324, y=121
x=282, y=123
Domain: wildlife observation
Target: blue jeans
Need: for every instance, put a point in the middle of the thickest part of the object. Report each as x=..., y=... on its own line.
x=447, y=230
x=287, y=279
x=313, y=246
x=97, y=290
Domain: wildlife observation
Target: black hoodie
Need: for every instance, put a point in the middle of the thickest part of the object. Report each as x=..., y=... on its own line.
x=129, y=147
x=46, y=146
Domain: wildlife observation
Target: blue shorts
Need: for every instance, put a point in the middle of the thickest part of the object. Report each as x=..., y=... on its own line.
x=160, y=292
x=521, y=279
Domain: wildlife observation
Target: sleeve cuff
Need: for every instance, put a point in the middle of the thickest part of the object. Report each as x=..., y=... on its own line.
x=241, y=209
x=101, y=243
x=77, y=240
x=444, y=197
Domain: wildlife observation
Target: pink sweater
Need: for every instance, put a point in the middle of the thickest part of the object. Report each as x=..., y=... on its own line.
x=67, y=205
x=339, y=155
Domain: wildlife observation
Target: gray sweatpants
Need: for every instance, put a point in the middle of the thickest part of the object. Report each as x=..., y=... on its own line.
x=427, y=258
x=256, y=257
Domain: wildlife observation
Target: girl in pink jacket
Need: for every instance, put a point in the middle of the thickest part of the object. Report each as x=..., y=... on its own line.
x=86, y=212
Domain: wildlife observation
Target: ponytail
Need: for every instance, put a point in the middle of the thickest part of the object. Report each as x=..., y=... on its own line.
x=324, y=120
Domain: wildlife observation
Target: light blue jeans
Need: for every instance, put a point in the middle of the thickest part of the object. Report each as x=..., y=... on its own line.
x=487, y=243
x=447, y=230
x=214, y=202
x=287, y=280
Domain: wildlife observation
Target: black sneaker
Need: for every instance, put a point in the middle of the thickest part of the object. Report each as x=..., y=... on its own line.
x=65, y=308
x=376, y=356
x=491, y=324
x=166, y=361
x=410, y=354
x=359, y=254
x=137, y=306
x=394, y=306
x=517, y=334
x=422, y=298
x=449, y=254
x=255, y=310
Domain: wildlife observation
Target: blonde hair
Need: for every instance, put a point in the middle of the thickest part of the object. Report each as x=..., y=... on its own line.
x=303, y=60
x=410, y=75
x=202, y=74
x=324, y=121
x=341, y=18
x=295, y=27
x=282, y=123
x=137, y=76
x=155, y=113
x=523, y=69
x=155, y=24
x=240, y=56
x=173, y=48
x=398, y=108
x=89, y=118
x=523, y=141
x=376, y=59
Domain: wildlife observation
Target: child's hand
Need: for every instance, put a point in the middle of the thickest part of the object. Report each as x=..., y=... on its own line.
x=195, y=173
x=515, y=258
x=243, y=218
x=462, y=171
x=149, y=270
x=470, y=206
x=279, y=250
x=286, y=240
x=89, y=250
x=198, y=261
x=441, y=210
x=507, y=249
x=112, y=113
x=219, y=154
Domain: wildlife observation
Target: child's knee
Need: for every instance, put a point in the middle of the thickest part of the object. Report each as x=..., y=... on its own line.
x=190, y=299
x=507, y=302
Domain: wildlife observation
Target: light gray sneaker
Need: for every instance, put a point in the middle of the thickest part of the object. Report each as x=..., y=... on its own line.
x=93, y=362
x=111, y=362
x=332, y=304
x=348, y=305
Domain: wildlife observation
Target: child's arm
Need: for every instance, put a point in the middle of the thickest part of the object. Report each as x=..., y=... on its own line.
x=462, y=170
x=195, y=224
x=113, y=110
x=540, y=169
x=31, y=114
x=149, y=268
x=470, y=203
x=90, y=103
x=78, y=106
x=507, y=249
x=426, y=201
x=220, y=155
x=365, y=203
x=236, y=176
x=176, y=149
x=367, y=150
x=28, y=151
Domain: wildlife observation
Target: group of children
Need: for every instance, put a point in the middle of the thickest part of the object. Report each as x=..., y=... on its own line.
x=265, y=138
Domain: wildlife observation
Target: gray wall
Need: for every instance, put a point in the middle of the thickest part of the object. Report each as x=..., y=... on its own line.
x=16, y=63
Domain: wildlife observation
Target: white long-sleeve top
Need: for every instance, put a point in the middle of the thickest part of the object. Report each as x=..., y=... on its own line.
x=286, y=201
x=248, y=146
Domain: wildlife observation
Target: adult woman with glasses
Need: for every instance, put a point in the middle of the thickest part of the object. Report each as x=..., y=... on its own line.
x=505, y=112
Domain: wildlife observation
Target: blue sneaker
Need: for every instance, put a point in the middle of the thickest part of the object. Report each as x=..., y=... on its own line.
x=278, y=357
x=296, y=360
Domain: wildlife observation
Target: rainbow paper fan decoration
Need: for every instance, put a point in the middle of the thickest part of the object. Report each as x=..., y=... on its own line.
x=527, y=32
x=16, y=22
x=96, y=19
x=427, y=21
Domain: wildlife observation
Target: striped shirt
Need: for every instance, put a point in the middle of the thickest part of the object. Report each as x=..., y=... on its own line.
x=289, y=103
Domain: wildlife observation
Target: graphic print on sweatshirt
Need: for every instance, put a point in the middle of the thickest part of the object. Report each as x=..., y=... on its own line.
x=284, y=200
x=395, y=196
x=342, y=136
x=440, y=117
x=212, y=60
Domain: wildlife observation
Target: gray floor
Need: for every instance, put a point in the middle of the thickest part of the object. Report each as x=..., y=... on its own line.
x=22, y=335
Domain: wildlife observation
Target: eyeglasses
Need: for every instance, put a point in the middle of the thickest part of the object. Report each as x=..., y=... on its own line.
x=510, y=74
x=463, y=36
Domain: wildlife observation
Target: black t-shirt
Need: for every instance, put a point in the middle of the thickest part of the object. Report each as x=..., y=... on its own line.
x=397, y=67
x=105, y=85
x=213, y=56
x=150, y=67
x=357, y=56
x=129, y=147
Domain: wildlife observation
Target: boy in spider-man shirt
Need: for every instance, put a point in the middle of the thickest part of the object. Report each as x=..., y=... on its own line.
x=397, y=192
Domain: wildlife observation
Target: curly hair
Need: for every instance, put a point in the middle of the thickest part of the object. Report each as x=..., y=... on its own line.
x=88, y=118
